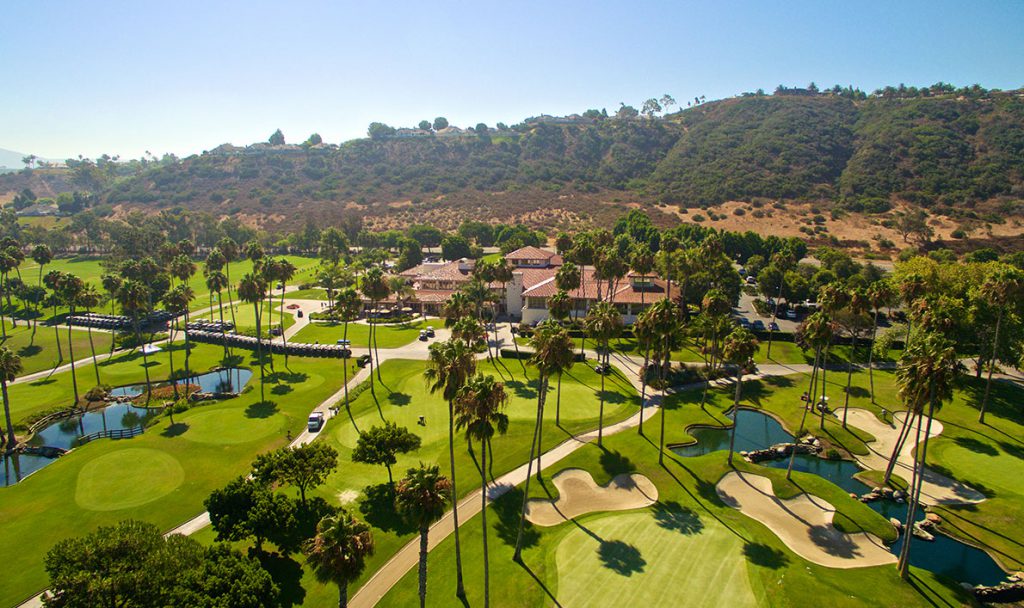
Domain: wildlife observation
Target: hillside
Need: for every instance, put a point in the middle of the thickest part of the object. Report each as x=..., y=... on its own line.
x=952, y=154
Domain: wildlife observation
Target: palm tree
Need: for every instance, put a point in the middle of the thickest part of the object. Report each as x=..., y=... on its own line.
x=217, y=281
x=642, y=263
x=251, y=289
x=831, y=300
x=338, y=552
x=552, y=353
x=880, y=293
x=52, y=281
x=450, y=365
x=89, y=298
x=664, y=320
x=815, y=332
x=1001, y=289
x=69, y=289
x=111, y=284
x=470, y=331
x=214, y=264
x=228, y=249
x=182, y=268
x=347, y=307
x=479, y=293
x=176, y=301
x=133, y=297
x=559, y=308
x=284, y=271
x=502, y=273
x=925, y=376
x=646, y=336
x=41, y=255
x=603, y=323
x=10, y=367
x=567, y=279
x=478, y=410
x=375, y=288
x=853, y=320
x=421, y=497
x=456, y=307
x=739, y=349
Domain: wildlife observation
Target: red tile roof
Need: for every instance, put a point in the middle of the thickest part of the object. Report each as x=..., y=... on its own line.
x=530, y=253
x=625, y=293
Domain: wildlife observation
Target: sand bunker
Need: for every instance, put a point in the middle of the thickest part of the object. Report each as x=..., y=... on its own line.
x=803, y=522
x=936, y=489
x=578, y=494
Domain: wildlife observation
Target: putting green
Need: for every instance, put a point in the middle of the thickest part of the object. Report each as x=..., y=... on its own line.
x=231, y=426
x=127, y=478
x=638, y=562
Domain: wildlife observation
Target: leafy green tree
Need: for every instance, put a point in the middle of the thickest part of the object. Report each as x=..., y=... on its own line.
x=440, y=123
x=225, y=579
x=479, y=409
x=426, y=236
x=313, y=140
x=10, y=367
x=338, y=552
x=383, y=444
x=379, y=130
x=454, y=247
x=246, y=509
x=276, y=138
x=421, y=497
x=306, y=466
x=424, y=125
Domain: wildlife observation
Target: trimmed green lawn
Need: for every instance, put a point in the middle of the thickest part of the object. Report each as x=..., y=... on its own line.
x=162, y=476
x=388, y=335
x=313, y=293
x=40, y=352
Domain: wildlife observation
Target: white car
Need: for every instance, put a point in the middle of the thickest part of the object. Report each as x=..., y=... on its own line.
x=316, y=422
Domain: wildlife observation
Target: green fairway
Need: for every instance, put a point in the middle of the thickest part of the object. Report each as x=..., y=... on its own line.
x=245, y=316
x=106, y=481
x=390, y=335
x=637, y=557
x=312, y=293
x=40, y=352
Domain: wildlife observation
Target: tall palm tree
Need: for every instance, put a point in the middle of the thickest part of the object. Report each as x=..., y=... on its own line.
x=176, y=301
x=89, y=298
x=228, y=249
x=664, y=319
x=1001, y=289
x=214, y=263
x=183, y=268
x=501, y=272
x=567, y=279
x=456, y=307
x=217, y=282
x=69, y=289
x=925, y=376
x=559, y=308
x=642, y=263
x=421, y=497
x=470, y=331
x=251, y=289
x=480, y=294
x=10, y=367
x=449, y=366
x=41, y=255
x=816, y=333
x=880, y=294
x=52, y=281
x=603, y=323
x=134, y=299
x=347, y=307
x=478, y=410
x=853, y=319
x=646, y=335
x=375, y=288
x=338, y=552
x=552, y=353
x=738, y=349
x=831, y=300
x=284, y=271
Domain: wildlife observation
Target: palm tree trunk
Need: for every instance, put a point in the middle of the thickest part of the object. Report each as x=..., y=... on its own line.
x=170, y=355
x=92, y=349
x=344, y=364
x=666, y=353
x=811, y=390
x=188, y=354
x=871, y=357
x=460, y=589
x=824, y=385
x=558, y=400
x=11, y=441
x=908, y=424
x=600, y=411
x=424, y=531
x=284, y=340
x=849, y=376
x=518, y=555
x=991, y=366
x=223, y=331
x=483, y=519
x=145, y=357
x=343, y=595
x=775, y=316
x=735, y=411
x=917, y=478
x=71, y=356
x=259, y=347
x=540, y=428
x=643, y=387
x=231, y=302
x=56, y=332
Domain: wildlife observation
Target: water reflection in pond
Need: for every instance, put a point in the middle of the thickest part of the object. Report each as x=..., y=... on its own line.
x=227, y=380
x=944, y=555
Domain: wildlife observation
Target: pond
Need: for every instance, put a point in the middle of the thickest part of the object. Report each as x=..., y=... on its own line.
x=227, y=380
x=64, y=434
x=945, y=555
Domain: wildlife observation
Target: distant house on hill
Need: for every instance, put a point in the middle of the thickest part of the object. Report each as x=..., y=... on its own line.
x=412, y=133
x=572, y=119
x=39, y=210
x=451, y=132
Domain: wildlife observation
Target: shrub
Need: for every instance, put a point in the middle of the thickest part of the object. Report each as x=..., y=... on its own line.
x=698, y=218
x=739, y=211
x=958, y=234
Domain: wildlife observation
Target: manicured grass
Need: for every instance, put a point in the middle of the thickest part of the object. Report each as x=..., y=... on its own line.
x=44, y=508
x=404, y=399
x=313, y=293
x=40, y=352
x=270, y=316
x=388, y=335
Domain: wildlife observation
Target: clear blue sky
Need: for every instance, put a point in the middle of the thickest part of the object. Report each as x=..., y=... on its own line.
x=122, y=77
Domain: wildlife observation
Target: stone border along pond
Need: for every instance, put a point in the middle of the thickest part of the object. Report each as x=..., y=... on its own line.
x=64, y=434
x=943, y=555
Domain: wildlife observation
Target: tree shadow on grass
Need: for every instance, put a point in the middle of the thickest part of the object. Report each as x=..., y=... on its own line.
x=281, y=389
x=621, y=557
x=287, y=575
x=43, y=382
x=522, y=389
x=762, y=555
x=673, y=516
x=30, y=350
x=399, y=399
x=261, y=409
x=175, y=430
x=378, y=509
x=1012, y=449
x=779, y=381
x=976, y=445
x=287, y=377
x=859, y=392
x=615, y=463
x=232, y=360
x=508, y=508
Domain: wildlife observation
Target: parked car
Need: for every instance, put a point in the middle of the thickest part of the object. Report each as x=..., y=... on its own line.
x=744, y=323
x=757, y=325
x=751, y=280
x=344, y=342
x=423, y=335
x=430, y=331
x=315, y=422
x=791, y=314
x=773, y=326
